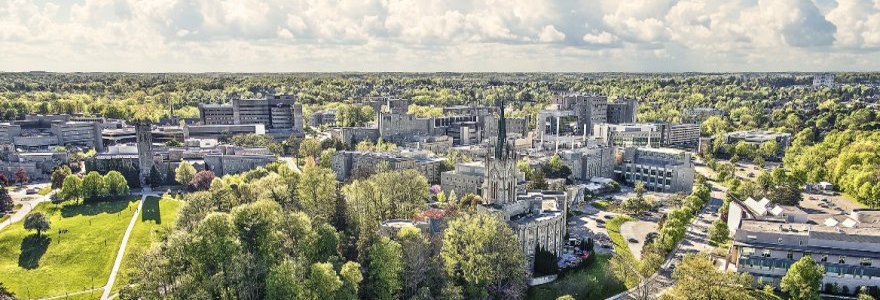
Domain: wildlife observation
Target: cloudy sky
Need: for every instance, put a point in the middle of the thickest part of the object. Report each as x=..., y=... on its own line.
x=439, y=35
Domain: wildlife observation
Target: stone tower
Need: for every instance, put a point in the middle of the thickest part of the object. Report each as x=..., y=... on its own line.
x=500, y=183
x=145, y=149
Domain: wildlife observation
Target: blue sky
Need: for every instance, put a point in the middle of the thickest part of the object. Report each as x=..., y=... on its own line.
x=439, y=35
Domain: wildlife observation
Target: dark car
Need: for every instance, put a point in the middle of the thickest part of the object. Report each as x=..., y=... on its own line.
x=609, y=217
x=632, y=240
x=606, y=246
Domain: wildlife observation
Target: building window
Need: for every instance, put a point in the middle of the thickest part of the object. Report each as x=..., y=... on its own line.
x=824, y=258
x=748, y=251
x=790, y=255
x=766, y=253
x=780, y=240
x=801, y=242
x=866, y=262
x=842, y=260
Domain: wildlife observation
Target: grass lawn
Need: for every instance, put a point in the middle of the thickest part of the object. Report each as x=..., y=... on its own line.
x=853, y=200
x=4, y=217
x=581, y=284
x=157, y=215
x=621, y=246
x=45, y=190
x=50, y=265
x=601, y=205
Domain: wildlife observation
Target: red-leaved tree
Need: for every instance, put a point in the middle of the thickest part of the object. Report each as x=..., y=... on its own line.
x=201, y=182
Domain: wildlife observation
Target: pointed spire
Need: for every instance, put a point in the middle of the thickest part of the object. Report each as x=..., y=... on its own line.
x=502, y=133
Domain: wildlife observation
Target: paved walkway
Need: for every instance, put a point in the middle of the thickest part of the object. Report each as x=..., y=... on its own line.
x=637, y=230
x=26, y=207
x=121, y=253
x=73, y=294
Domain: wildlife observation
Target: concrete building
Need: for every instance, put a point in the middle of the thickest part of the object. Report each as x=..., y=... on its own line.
x=587, y=111
x=323, y=117
x=516, y=127
x=588, y=162
x=354, y=135
x=758, y=137
x=661, y=170
x=43, y=132
x=627, y=135
x=437, y=144
x=348, y=164
x=700, y=114
x=680, y=134
x=279, y=115
x=387, y=104
x=221, y=132
x=461, y=110
x=847, y=246
x=823, y=80
x=622, y=110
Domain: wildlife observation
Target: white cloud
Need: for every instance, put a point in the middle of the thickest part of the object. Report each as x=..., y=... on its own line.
x=463, y=35
x=549, y=35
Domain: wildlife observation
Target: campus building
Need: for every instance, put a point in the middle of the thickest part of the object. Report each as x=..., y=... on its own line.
x=43, y=132
x=581, y=112
x=347, y=164
x=846, y=245
x=823, y=80
x=660, y=169
x=758, y=137
x=645, y=134
x=588, y=162
x=280, y=115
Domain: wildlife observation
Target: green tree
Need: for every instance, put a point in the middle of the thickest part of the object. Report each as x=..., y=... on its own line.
x=317, y=191
x=323, y=281
x=6, y=203
x=385, y=268
x=71, y=189
x=285, y=281
x=93, y=186
x=184, y=173
x=718, y=232
x=309, y=147
x=351, y=278
x=538, y=181
x=6, y=294
x=482, y=252
x=37, y=221
x=58, y=175
x=803, y=279
x=696, y=277
x=116, y=183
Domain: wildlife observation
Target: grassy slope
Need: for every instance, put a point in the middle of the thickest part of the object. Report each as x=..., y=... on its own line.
x=554, y=290
x=88, y=248
x=621, y=246
x=156, y=215
x=45, y=190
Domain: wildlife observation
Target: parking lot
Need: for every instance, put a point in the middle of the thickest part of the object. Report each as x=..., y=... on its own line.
x=591, y=224
x=635, y=233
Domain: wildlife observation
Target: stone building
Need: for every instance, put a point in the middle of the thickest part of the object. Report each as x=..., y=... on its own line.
x=536, y=217
x=467, y=178
x=661, y=170
x=354, y=135
x=360, y=163
x=436, y=144
x=516, y=127
x=622, y=110
x=323, y=117
x=37, y=165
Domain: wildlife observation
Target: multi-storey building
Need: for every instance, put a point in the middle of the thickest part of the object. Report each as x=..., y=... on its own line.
x=847, y=246
x=324, y=117
x=277, y=113
x=626, y=135
x=661, y=170
x=588, y=110
x=516, y=127
x=467, y=178
x=622, y=110
x=700, y=114
x=221, y=131
x=588, y=162
x=350, y=163
x=680, y=134
x=823, y=80
x=41, y=132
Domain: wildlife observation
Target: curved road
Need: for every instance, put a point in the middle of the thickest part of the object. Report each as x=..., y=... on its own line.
x=26, y=207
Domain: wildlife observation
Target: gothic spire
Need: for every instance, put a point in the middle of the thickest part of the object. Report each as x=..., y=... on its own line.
x=502, y=133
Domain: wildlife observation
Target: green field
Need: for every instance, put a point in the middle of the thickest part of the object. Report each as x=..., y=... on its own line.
x=52, y=265
x=603, y=205
x=157, y=217
x=580, y=284
x=45, y=190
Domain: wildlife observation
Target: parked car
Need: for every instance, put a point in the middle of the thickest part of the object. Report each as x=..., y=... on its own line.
x=31, y=191
x=609, y=217
x=632, y=240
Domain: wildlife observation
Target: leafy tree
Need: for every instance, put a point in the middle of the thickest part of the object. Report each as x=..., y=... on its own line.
x=718, y=232
x=482, y=252
x=116, y=183
x=803, y=280
x=385, y=268
x=4, y=180
x=387, y=195
x=284, y=281
x=37, y=221
x=71, y=189
x=323, y=281
x=21, y=176
x=202, y=181
x=6, y=203
x=538, y=181
x=6, y=294
x=309, y=147
x=317, y=190
x=697, y=278
x=351, y=278
x=93, y=186
x=58, y=175
x=155, y=179
x=185, y=173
